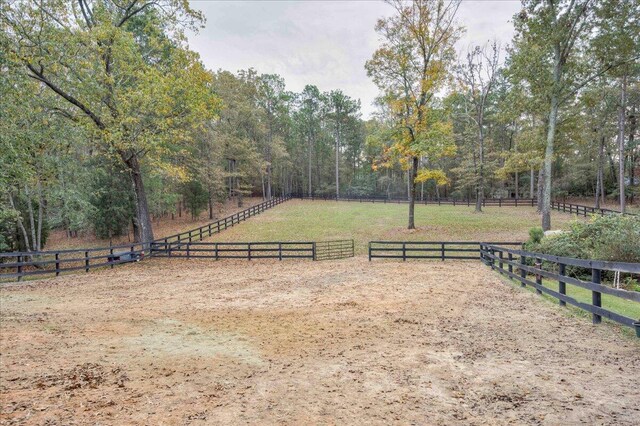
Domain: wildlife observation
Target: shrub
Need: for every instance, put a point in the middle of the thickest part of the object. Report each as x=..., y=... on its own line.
x=535, y=235
x=613, y=238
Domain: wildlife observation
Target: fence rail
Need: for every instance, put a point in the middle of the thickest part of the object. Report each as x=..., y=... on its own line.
x=500, y=202
x=245, y=250
x=441, y=250
x=528, y=263
x=15, y=265
x=579, y=209
x=198, y=234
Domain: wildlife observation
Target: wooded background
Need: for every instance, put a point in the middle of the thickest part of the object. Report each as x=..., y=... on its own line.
x=109, y=120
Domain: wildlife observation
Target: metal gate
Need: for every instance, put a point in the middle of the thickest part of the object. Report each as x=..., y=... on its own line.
x=330, y=250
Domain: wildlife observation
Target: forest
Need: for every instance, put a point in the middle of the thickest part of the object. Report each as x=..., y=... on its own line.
x=109, y=120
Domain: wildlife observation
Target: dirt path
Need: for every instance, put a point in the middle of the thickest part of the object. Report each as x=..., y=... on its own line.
x=348, y=342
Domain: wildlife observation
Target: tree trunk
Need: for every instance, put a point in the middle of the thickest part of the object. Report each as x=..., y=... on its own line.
x=548, y=161
x=480, y=187
x=38, y=243
x=539, y=190
x=31, y=217
x=210, y=205
x=412, y=186
x=269, y=191
x=551, y=135
x=600, y=175
x=338, y=161
x=621, y=122
x=517, y=185
x=532, y=183
x=20, y=224
x=408, y=185
x=142, y=221
x=309, y=185
x=633, y=124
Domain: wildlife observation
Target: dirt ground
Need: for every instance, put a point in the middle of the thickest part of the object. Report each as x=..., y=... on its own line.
x=347, y=342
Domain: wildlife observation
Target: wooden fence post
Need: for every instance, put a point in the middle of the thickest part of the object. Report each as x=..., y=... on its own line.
x=596, y=296
x=86, y=261
x=562, y=286
x=19, y=269
x=523, y=272
x=442, y=251
x=249, y=250
x=279, y=251
x=58, y=263
x=510, y=260
x=404, y=252
x=538, y=275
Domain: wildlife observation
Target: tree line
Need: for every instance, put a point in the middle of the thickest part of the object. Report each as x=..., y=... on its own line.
x=109, y=119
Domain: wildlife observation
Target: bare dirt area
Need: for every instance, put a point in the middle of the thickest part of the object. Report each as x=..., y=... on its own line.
x=347, y=342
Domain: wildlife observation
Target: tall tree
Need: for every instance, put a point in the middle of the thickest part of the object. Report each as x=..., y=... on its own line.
x=121, y=70
x=410, y=67
x=618, y=42
x=341, y=108
x=477, y=76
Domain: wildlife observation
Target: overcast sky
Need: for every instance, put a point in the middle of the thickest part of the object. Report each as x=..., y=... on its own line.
x=325, y=43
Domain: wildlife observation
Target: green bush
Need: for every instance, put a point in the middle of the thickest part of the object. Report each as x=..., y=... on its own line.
x=535, y=235
x=613, y=238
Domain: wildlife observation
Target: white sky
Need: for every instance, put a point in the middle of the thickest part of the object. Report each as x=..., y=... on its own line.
x=325, y=43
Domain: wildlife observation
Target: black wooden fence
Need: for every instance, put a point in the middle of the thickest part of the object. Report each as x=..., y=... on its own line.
x=323, y=250
x=441, y=250
x=499, y=202
x=581, y=210
x=578, y=209
x=539, y=266
x=15, y=265
x=246, y=250
x=198, y=234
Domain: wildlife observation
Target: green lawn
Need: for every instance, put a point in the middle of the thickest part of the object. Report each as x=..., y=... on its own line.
x=624, y=307
x=299, y=220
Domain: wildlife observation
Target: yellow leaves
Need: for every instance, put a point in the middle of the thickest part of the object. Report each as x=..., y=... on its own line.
x=432, y=174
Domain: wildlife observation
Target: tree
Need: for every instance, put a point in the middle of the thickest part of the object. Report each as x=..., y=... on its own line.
x=273, y=99
x=477, y=77
x=341, y=108
x=618, y=42
x=410, y=67
x=121, y=71
x=308, y=118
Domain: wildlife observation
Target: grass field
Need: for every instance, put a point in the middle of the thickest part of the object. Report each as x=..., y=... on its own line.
x=299, y=220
